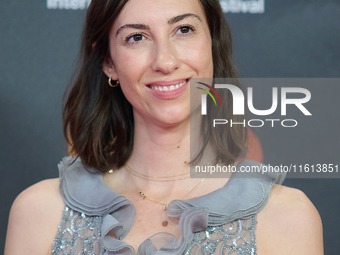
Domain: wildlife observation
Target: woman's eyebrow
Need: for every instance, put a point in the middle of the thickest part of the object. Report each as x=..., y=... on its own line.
x=135, y=26
x=181, y=17
x=171, y=21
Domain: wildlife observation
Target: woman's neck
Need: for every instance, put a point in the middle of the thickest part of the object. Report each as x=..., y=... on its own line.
x=165, y=150
x=161, y=151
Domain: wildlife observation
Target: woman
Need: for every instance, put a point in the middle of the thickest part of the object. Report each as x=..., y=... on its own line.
x=133, y=143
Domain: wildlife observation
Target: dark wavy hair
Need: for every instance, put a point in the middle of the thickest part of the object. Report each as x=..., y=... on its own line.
x=98, y=122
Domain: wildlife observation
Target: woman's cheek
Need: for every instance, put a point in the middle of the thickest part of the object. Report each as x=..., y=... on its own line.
x=198, y=55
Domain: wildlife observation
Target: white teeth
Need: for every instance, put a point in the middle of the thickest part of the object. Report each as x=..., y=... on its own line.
x=167, y=88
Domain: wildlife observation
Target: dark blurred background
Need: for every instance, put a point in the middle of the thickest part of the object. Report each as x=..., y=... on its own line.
x=38, y=49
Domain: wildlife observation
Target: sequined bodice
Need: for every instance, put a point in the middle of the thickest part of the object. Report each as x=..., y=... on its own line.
x=221, y=222
x=77, y=234
x=237, y=237
x=80, y=234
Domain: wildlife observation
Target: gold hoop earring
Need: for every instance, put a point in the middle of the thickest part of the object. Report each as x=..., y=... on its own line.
x=113, y=86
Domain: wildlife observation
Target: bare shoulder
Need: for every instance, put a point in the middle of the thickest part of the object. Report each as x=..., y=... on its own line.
x=34, y=219
x=289, y=224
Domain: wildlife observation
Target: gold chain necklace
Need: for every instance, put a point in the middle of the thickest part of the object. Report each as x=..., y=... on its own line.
x=159, y=179
x=142, y=194
x=156, y=178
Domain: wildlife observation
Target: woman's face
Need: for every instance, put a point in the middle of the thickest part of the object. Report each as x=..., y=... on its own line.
x=156, y=47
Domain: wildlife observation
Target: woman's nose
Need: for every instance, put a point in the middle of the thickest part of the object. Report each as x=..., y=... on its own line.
x=166, y=59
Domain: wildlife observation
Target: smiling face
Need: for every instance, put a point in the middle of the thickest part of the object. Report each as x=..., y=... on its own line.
x=156, y=47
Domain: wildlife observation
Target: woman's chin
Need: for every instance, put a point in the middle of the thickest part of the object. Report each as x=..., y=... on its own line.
x=172, y=120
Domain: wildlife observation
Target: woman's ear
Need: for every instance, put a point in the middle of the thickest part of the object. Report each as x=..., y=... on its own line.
x=109, y=69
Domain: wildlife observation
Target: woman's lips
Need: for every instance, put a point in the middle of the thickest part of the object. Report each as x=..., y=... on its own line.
x=168, y=89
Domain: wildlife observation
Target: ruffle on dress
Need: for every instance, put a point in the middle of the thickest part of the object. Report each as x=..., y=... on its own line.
x=84, y=190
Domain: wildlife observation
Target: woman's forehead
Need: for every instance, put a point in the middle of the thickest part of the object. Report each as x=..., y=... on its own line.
x=156, y=11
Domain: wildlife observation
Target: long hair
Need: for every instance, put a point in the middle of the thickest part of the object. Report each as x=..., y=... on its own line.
x=98, y=123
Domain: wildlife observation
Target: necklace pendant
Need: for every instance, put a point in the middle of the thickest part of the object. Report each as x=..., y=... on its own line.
x=165, y=223
x=142, y=194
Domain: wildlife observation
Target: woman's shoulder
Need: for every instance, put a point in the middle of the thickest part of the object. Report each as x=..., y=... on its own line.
x=40, y=196
x=34, y=219
x=289, y=224
x=43, y=195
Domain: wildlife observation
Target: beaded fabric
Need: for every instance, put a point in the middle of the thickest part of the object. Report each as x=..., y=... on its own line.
x=221, y=222
x=237, y=237
x=80, y=234
x=77, y=234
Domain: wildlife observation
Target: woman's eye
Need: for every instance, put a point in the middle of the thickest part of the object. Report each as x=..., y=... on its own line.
x=186, y=29
x=135, y=38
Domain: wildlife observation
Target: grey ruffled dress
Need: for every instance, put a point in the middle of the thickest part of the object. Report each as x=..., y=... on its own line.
x=221, y=222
